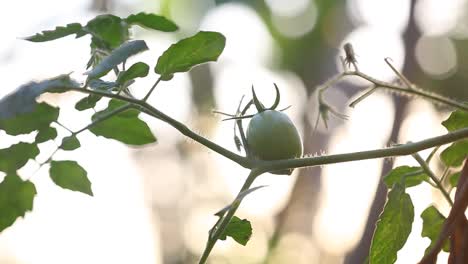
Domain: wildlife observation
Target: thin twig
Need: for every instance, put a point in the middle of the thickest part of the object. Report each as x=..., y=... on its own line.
x=429, y=172
x=151, y=90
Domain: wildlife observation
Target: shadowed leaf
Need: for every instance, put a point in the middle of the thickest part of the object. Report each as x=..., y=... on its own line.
x=70, y=143
x=433, y=221
x=16, y=156
x=125, y=127
x=453, y=179
x=239, y=230
x=393, y=227
x=152, y=21
x=137, y=70
x=70, y=175
x=454, y=155
x=46, y=134
x=182, y=56
x=16, y=198
x=25, y=123
x=412, y=176
x=107, y=30
x=458, y=119
x=58, y=32
x=87, y=102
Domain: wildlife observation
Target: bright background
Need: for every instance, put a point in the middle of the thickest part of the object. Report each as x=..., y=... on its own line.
x=156, y=204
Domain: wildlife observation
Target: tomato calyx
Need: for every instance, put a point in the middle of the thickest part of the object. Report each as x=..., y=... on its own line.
x=260, y=107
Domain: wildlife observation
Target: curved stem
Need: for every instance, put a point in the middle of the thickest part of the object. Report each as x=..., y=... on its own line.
x=221, y=227
x=429, y=172
x=150, y=110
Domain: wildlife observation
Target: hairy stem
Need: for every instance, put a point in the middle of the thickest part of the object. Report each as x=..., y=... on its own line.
x=399, y=150
x=264, y=166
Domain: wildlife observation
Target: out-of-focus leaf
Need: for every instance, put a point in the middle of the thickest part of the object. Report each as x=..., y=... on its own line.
x=203, y=47
x=70, y=143
x=453, y=179
x=413, y=176
x=87, y=102
x=457, y=120
x=118, y=56
x=137, y=70
x=239, y=230
x=125, y=127
x=16, y=198
x=16, y=156
x=454, y=155
x=70, y=175
x=433, y=221
x=110, y=29
x=46, y=134
x=28, y=122
x=58, y=32
x=152, y=21
x=393, y=227
x=23, y=99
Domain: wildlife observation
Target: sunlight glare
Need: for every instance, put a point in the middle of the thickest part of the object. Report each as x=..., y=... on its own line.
x=386, y=15
x=298, y=25
x=348, y=188
x=437, y=56
x=248, y=39
x=435, y=17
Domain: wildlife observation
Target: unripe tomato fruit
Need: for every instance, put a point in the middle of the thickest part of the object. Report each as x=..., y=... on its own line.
x=271, y=135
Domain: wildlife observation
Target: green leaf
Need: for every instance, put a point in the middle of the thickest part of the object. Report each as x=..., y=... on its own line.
x=23, y=99
x=180, y=57
x=58, y=32
x=70, y=175
x=152, y=21
x=70, y=143
x=42, y=116
x=87, y=102
x=433, y=221
x=118, y=56
x=46, y=134
x=453, y=179
x=16, y=198
x=393, y=227
x=455, y=154
x=125, y=127
x=457, y=120
x=108, y=30
x=413, y=176
x=239, y=230
x=16, y=156
x=137, y=70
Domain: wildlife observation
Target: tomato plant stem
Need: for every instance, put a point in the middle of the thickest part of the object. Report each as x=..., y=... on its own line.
x=221, y=227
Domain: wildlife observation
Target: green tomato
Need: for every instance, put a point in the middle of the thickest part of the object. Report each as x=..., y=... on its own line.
x=271, y=135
